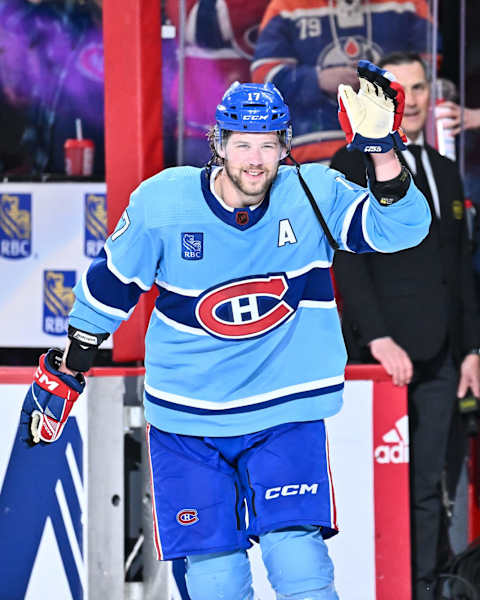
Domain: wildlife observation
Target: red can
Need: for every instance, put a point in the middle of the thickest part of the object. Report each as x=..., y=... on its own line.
x=79, y=156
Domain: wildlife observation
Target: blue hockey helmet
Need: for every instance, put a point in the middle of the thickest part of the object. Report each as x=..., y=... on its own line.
x=253, y=107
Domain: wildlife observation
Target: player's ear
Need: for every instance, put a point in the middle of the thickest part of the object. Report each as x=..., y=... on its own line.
x=285, y=138
x=218, y=142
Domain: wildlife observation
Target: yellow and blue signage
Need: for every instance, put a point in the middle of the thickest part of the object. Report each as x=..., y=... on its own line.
x=15, y=225
x=58, y=298
x=95, y=223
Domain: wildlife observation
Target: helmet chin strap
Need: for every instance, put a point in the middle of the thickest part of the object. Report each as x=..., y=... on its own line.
x=209, y=165
x=260, y=108
x=331, y=240
x=328, y=234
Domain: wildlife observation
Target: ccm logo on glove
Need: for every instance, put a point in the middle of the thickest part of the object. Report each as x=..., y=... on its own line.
x=53, y=385
x=49, y=400
x=43, y=380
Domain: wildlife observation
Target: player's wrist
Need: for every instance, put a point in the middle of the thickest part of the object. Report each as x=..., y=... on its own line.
x=387, y=166
x=81, y=349
x=388, y=191
x=64, y=369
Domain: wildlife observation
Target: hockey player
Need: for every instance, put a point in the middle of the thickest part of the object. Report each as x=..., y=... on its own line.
x=307, y=48
x=244, y=354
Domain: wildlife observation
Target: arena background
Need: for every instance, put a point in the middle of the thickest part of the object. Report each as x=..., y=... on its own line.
x=145, y=82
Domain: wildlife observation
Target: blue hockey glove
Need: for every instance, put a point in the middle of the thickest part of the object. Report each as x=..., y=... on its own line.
x=49, y=400
x=371, y=118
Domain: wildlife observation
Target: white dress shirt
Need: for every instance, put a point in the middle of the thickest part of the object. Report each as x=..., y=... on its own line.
x=410, y=160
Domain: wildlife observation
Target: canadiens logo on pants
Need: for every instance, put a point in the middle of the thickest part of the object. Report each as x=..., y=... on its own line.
x=187, y=516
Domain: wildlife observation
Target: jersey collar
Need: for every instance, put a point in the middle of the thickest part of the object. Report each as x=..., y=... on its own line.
x=240, y=218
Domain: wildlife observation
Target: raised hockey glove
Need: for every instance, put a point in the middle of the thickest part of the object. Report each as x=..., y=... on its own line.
x=371, y=118
x=49, y=400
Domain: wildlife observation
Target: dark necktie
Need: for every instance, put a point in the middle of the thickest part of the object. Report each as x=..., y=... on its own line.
x=420, y=178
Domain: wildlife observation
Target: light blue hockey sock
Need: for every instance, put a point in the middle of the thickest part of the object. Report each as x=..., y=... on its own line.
x=298, y=564
x=222, y=576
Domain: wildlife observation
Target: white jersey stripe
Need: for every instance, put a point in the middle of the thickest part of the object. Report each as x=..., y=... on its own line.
x=273, y=72
x=317, y=304
x=317, y=264
x=177, y=325
x=126, y=280
x=104, y=308
x=325, y=11
x=325, y=304
x=366, y=208
x=348, y=221
x=286, y=60
x=247, y=401
x=178, y=290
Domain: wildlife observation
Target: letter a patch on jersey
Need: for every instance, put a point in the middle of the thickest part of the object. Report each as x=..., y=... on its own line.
x=285, y=233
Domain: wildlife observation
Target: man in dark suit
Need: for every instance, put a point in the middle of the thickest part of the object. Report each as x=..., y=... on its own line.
x=415, y=312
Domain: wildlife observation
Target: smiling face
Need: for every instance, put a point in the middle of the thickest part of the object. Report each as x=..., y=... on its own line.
x=413, y=78
x=250, y=165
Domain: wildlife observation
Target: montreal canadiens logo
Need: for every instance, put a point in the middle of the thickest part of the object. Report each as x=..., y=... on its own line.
x=187, y=516
x=244, y=309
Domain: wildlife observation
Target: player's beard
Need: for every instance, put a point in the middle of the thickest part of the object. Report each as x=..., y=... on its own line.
x=256, y=190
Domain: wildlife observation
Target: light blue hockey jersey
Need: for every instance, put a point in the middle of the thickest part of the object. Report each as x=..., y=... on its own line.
x=245, y=332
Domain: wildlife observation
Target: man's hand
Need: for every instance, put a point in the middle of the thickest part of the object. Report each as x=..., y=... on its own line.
x=331, y=77
x=49, y=400
x=469, y=376
x=371, y=119
x=393, y=358
x=452, y=113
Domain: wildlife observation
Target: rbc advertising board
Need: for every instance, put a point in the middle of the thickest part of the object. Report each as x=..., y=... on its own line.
x=15, y=225
x=49, y=233
x=95, y=231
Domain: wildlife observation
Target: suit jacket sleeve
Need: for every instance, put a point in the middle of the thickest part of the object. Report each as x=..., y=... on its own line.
x=355, y=285
x=470, y=312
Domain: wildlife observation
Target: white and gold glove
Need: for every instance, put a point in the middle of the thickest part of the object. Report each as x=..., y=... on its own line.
x=371, y=118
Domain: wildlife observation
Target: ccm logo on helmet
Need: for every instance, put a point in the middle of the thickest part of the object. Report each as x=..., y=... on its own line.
x=244, y=309
x=293, y=489
x=255, y=117
x=187, y=516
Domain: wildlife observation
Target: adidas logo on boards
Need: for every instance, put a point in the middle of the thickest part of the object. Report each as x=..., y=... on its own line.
x=395, y=450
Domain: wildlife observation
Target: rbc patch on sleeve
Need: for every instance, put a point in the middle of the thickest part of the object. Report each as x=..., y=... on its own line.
x=192, y=246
